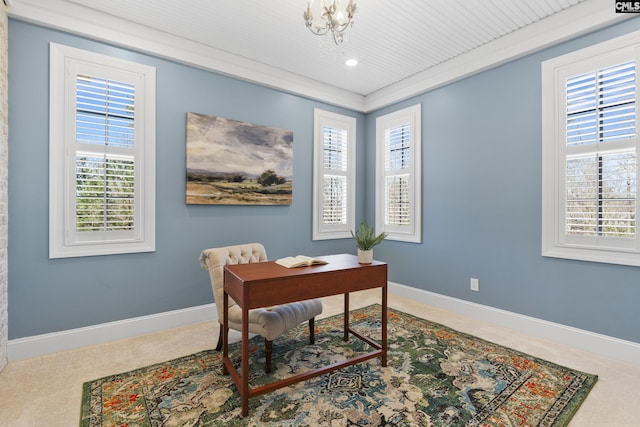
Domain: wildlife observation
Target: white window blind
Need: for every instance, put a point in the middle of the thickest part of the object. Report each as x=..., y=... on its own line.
x=398, y=199
x=601, y=155
x=398, y=203
x=105, y=156
x=335, y=170
x=590, y=148
x=105, y=194
x=334, y=175
x=102, y=154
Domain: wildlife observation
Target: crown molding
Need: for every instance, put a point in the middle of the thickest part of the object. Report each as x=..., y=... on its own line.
x=581, y=19
x=80, y=20
x=66, y=16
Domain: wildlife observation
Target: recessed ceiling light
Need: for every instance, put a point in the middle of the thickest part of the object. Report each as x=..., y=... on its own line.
x=351, y=62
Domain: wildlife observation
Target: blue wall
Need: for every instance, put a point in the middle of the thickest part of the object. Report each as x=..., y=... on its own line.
x=482, y=204
x=481, y=200
x=54, y=295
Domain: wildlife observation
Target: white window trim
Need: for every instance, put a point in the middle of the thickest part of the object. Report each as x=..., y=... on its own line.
x=412, y=116
x=321, y=119
x=554, y=74
x=62, y=155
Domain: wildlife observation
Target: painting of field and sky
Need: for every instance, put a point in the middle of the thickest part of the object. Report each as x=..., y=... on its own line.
x=237, y=163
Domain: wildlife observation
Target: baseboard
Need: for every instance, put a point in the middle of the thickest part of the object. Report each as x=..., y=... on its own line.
x=615, y=348
x=626, y=351
x=24, y=348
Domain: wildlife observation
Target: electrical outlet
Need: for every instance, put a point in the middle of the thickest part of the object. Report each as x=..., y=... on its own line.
x=475, y=284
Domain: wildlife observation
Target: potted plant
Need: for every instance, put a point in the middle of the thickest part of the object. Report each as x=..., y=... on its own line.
x=366, y=239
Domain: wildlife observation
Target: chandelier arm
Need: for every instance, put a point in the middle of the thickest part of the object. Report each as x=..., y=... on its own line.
x=334, y=18
x=342, y=27
x=317, y=30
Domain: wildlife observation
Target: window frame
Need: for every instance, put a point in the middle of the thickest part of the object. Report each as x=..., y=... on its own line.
x=556, y=243
x=322, y=119
x=411, y=116
x=66, y=63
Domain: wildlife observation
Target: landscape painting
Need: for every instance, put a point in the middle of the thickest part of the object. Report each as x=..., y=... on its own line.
x=231, y=162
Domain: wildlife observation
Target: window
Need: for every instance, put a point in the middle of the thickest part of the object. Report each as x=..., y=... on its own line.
x=102, y=155
x=590, y=149
x=334, y=142
x=398, y=175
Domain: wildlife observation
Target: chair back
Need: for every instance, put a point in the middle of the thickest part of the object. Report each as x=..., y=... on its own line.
x=214, y=260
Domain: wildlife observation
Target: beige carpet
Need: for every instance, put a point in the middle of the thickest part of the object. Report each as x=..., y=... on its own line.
x=46, y=391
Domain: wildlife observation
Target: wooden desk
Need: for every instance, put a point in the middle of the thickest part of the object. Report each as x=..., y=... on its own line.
x=265, y=284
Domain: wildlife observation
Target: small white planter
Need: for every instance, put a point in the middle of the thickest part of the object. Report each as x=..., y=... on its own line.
x=365, y=257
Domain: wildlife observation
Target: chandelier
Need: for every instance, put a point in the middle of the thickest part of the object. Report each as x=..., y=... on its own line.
x=333, y=17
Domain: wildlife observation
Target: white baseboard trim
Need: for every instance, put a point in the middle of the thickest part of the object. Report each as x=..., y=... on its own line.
x=24, y=348
x=615, y=348
x=626, y=351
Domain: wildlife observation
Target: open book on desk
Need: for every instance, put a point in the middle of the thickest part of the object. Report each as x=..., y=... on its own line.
x=299, y=261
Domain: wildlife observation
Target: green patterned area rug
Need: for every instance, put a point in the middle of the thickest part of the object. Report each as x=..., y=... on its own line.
x=436, y=376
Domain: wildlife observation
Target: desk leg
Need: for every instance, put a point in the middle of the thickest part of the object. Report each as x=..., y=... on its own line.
x=245, y=362
x=384, y=325
x=225, y=332
x=346, y=317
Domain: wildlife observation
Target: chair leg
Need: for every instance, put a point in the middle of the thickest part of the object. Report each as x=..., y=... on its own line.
x=268, y=349
x=225, y=371
x=312, y=330
x=219, y=344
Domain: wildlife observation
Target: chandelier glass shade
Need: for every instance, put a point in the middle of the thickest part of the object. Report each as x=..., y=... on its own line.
x=330, y=16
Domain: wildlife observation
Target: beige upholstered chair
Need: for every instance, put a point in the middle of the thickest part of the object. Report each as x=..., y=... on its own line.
x=268, y=322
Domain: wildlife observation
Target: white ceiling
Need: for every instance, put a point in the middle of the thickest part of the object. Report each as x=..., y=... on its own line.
x=404, y=47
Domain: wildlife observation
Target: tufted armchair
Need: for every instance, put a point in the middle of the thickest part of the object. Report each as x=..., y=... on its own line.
x=269, y=322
